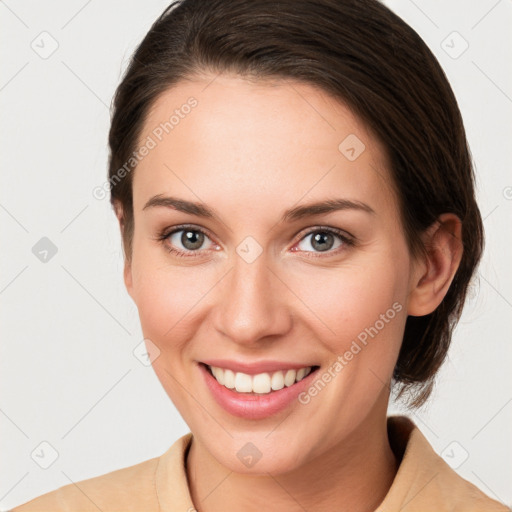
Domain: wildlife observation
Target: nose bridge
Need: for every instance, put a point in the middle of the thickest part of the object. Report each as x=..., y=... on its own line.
x=251, y=306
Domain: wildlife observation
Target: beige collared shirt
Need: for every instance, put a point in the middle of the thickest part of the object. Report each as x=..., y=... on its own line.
x=424, y=482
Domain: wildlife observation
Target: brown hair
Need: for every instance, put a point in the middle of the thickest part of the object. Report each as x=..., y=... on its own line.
x=364, y=55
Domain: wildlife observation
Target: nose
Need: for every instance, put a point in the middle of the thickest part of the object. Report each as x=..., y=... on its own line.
x=251, y=307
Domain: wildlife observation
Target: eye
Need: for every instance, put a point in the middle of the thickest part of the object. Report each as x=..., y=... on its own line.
x=186, y=241
x=324, y=240
x=190, y=241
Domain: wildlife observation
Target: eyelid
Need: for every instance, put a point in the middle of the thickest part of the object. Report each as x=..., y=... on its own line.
x=330, y=229
x=182, y=227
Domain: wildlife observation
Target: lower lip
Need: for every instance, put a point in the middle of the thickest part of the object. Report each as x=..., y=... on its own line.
x=251, y=405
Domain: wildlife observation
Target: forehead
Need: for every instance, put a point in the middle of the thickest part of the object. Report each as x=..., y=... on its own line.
x=257, y=144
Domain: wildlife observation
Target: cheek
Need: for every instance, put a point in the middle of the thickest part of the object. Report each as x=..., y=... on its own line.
x=165, y=300
x=361, y=319
x=358, y=305
x=166, y=295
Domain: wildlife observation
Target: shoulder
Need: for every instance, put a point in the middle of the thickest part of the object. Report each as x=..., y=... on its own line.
x=122, y=489
x=140, y=487
x=424, y=480
x=135, y=488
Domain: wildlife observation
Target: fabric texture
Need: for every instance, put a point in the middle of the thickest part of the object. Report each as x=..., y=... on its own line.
x=424, y=482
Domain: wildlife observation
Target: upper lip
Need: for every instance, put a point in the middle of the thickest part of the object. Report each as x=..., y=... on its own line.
x=255, y=367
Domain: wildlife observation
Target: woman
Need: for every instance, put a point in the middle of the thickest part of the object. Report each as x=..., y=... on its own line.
x=296, y=203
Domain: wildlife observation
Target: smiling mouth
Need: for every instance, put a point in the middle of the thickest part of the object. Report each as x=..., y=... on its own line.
x=261, y=383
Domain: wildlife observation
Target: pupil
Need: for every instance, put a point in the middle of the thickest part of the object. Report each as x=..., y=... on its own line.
x=192, y=239
x=319, y=241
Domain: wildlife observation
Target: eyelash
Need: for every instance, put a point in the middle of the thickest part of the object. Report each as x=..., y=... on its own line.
x=165, y=234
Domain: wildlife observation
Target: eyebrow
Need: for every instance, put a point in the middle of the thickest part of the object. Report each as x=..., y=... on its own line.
x=293, y=214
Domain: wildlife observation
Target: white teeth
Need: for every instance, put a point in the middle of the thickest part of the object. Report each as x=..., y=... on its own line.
x=289, y=378
x=243, y=383
x=262, y=383
x=277, y=381
x=219, y=375
x=229, y=378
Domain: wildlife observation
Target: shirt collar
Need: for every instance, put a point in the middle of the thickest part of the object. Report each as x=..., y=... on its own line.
x=424, y=481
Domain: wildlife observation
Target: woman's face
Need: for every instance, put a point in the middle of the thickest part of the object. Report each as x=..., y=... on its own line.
x=261, y=286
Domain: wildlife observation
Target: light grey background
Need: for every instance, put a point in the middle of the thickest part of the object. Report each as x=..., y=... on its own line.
x=68, y=373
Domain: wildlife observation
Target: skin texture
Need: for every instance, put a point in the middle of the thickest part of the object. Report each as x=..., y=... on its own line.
x=250, y=151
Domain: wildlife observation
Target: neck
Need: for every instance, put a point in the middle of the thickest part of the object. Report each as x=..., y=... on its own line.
x=354, y=476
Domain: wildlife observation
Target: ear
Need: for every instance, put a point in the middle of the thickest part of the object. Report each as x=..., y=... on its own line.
x=433, y=274
x=127, y=272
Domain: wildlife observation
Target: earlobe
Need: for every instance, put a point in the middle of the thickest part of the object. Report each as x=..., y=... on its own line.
x=444, y=249
x=118, y=210
x=127, y=272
